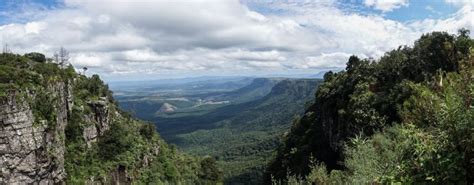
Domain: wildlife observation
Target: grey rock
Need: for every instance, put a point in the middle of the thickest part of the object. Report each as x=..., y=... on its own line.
x=98, y=120
x=32, y=153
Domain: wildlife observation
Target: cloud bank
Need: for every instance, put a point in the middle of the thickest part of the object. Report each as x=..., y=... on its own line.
x=179, y=38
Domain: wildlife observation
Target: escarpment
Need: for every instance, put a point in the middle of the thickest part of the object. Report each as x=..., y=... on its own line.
x=32, y=150
x=61, y=127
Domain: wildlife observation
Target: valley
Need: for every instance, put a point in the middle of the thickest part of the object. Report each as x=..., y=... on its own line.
x=239, y=122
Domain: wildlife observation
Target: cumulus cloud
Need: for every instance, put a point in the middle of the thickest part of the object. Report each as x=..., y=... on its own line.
x=460, y=2
x=326, y=60
x=386, y=5
x=167, y=37
x=461, y=19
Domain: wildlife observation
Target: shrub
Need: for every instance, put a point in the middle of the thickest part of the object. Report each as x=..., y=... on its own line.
x=37, y=57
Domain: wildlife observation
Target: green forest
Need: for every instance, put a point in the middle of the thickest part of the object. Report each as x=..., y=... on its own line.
x=406, y=118
x=241, y=135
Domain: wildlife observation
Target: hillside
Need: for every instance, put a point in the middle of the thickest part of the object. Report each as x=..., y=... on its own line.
x=242, y=136
x=62, y=127
x=405, y=119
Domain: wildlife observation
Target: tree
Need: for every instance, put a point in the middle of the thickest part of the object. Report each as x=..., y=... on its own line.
x=353, y=62
x=6, y=49
x=148, y=130
x=209, y=170
x=63, y=56
x=84, y=70
x=37, y=57
x=56, y=58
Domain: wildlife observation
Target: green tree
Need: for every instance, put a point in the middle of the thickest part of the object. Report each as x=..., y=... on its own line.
x=37, y=57
x=209, y=171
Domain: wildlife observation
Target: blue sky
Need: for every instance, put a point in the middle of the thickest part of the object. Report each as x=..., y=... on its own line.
x=416, y=10
x=419, y=9
x=146, y=39
x=10, y=7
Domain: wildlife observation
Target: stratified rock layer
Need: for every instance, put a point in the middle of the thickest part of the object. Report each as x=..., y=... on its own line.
x=32, y=152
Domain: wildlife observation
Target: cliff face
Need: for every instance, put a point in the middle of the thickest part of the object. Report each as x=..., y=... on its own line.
x=32, y=151
x=57, y=126
x=98, y=121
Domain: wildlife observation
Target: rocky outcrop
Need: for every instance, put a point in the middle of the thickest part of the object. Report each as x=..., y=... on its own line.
x=32, y=151
x=167, y=108
x=120, y=176
x=98, y=120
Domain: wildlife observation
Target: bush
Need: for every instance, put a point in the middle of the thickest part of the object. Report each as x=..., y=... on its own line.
x=37, y=57
x=44, y=108
x=148, y=130
x=209, y=170
x=115, y=141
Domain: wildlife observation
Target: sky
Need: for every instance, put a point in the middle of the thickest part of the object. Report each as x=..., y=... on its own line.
x=158, y=39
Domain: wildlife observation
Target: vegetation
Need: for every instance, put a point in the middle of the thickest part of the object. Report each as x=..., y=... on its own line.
x=406, y=118
x=128, y=145
x=243, y=135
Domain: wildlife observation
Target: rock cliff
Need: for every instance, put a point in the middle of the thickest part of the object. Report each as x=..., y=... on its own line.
x=98, y=121
x=32, y=150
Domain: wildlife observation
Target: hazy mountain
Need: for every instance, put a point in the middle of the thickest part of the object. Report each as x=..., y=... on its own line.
x=146, y=104
x=183, y=85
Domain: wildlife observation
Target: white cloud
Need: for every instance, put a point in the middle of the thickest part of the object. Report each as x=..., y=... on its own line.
x=240, y=54
x=460, y=2
x=386, y=5
x=88, y=60
x=264, y=65
x=461, y=19
x=327, y=60
x=163, y=38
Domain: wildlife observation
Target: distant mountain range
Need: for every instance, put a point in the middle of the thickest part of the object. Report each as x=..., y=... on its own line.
x=221, y=81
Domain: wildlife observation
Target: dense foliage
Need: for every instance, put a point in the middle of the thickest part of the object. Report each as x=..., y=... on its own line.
x=405, y=118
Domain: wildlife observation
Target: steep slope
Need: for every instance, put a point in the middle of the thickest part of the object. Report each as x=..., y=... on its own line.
x=404, y=119
x=243, y=136
x=58, y=126
x=32, y=151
